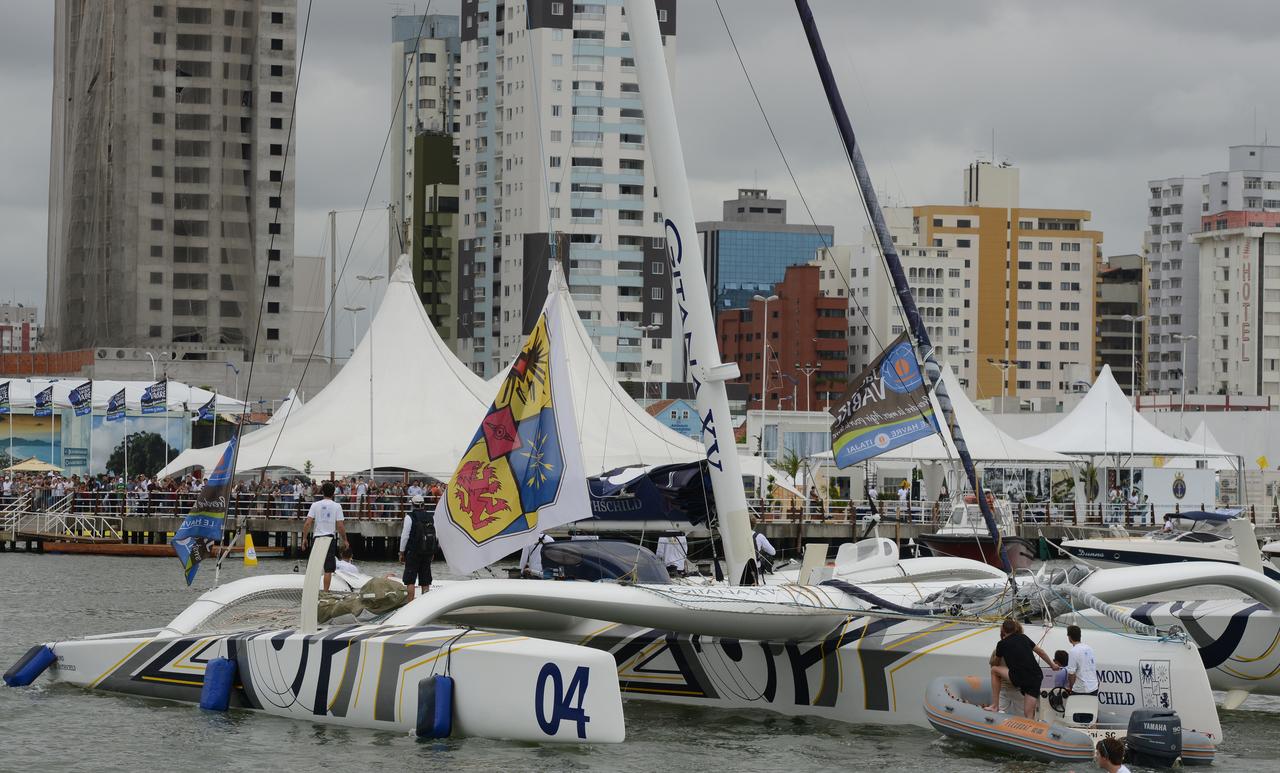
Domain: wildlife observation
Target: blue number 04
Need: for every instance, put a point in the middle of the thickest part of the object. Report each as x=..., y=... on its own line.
x=565, y=704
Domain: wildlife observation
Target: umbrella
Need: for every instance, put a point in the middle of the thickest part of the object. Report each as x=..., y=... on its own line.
x=34, y=465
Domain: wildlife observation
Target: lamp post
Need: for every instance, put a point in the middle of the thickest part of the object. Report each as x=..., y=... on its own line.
x=1133, y=352
x=1004, y=366
x=153, y=364
x=354, y=311
x=236, y=394
x=370, y=279
x=1182, y=375
x=808, y=369
x=645, y=330
x=764, y=356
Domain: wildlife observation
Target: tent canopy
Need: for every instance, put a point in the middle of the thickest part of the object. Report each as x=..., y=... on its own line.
x=34, y=465
x=181, y=396
x=1215, y=456
x=427, y=405
x=987, y=443
x=1104, y=422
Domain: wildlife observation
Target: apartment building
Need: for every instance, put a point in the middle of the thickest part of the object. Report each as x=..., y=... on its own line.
x=1006, y=292
x=425, y=69
x=170, y=200
x=1122, y=343
x=554, y=165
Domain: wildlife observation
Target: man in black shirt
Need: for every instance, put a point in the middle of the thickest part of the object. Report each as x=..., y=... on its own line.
x=1019, y=655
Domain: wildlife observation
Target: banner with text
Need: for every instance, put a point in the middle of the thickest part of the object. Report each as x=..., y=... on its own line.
x=155, y=398
x=82, y=398
x=44, y=402
x=115, y=406
x=886, y=406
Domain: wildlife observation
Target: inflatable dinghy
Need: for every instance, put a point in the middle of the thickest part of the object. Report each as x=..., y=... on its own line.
x=1066, y=729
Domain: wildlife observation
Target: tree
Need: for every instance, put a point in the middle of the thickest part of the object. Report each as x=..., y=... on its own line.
x=148, y=453
x=789, y=463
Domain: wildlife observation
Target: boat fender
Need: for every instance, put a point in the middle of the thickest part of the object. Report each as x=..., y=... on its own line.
x=30, y=666
x=219, y=677
x=435, y=707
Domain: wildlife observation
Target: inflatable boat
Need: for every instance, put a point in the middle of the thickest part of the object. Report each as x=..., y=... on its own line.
x=1066, y=728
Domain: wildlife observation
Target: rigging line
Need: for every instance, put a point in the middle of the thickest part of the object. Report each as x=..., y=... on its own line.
x=827, y=246
x=826, y=250
x=328, y=309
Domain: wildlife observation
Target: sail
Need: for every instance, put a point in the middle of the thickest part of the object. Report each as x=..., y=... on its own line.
x=522, y=472
x=886, y=406
x=201, y=530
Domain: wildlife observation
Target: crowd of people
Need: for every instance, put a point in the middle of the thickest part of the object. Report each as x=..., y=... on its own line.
x=287, y=496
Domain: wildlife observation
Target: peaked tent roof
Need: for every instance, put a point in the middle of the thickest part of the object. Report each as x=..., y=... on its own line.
x=428, y=405
x=1104, y=422
x=1215, y=456
x=986, y=441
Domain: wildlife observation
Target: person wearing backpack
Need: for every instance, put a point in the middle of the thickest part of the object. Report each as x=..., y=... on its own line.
x=417, y=545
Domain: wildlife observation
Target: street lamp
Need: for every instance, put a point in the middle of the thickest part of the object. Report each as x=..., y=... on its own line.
x=1133, y=352
x=645, y=330
x=228, y=363
x=1182, y=375
x=153, y=364
x=764, y=355
x=354, y=311
x=1004, y=366
x=370, y=280
x=808, y=369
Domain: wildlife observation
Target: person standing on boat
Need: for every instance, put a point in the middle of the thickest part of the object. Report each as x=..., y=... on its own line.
x=531, y=558
x=417, y=545
x=1082, y=666
x=765, y=551
x=327, y=518
x=1019, y=654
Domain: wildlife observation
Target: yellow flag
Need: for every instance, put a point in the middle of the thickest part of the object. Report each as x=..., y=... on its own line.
x=1262, y=462
x=250, y=555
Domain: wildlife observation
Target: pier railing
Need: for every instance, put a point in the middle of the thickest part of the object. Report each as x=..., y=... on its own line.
x=178, y=504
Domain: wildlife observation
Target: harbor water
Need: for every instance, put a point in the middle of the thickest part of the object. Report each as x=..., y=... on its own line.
x=61, y=728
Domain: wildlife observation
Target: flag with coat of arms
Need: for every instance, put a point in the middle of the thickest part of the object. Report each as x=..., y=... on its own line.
x=522, y=473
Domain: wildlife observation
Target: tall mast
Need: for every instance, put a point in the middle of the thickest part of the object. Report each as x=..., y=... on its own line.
x=914, y=323
x=706, y=371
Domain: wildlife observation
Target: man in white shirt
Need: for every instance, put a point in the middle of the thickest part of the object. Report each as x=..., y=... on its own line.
x=327, y=518
x=531, y=557
x=764, y=551
x=1082, y=666
x=673, y=550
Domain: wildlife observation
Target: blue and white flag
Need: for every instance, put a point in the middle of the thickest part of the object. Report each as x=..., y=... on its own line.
x=886, y=406
x=44, y=402
x=4, y=397
x=208, y=410
x=115, y=406
x=155, y=398
x=201, y=531
x=82, y=398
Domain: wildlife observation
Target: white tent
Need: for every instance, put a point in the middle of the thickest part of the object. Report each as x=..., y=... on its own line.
x=1104, y=422
x=427, y=405
x=1214, y=455
x=987, y=443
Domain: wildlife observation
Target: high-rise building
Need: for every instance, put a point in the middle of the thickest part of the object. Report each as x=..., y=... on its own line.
x=1173, y=273
x=555, y=165
x=1006, y=292
x=804, y=348
x=170, y=200
x=748, y=250
x=433, y=223
x=425, y=57
x=1122, y=343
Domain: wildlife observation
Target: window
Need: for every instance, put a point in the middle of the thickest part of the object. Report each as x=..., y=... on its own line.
x=277, y=17
x=195, y=16
x=273, y=334
x=157, y=197
x=657, y=267
x=273, y=228
x=273, y=280
x=277, y=150
x=273, y=254
x=277, y=97
x=655, y=293
x=273, y=307
x=554, y=162
x=277, y=44
x=557, y=9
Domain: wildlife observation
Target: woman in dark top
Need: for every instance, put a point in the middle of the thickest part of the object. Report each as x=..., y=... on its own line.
x=1019, y=655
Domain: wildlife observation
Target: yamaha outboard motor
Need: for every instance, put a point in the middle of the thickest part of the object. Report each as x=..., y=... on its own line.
x=1154, y=738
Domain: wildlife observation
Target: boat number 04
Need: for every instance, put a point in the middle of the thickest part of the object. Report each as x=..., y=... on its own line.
x=566, y=704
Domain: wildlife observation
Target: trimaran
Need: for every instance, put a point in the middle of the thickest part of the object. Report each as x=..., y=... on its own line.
x=549, y=661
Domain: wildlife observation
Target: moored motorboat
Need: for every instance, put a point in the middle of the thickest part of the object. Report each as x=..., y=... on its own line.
x=965, y=535
x=1066, y=727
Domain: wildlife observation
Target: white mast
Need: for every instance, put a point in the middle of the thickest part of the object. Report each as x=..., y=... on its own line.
x=706, y=371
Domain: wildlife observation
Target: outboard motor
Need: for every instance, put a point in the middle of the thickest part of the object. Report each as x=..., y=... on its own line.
x=1154, y=738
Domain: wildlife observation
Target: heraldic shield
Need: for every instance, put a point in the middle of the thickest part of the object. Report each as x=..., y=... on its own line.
x=522, y=472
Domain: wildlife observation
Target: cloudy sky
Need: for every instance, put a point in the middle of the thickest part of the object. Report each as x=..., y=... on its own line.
x=1090, y=99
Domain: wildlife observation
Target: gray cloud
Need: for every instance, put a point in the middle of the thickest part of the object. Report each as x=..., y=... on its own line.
x=1091, y=99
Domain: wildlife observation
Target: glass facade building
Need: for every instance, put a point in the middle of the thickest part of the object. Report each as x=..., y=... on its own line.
x=749, y=262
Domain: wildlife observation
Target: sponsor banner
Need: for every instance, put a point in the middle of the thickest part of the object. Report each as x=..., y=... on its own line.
x=201, y=530
x=44, y=402
x=115, y=406
x=4, y=397
x=82, y=399
x=155, y=398
x=886, y=406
